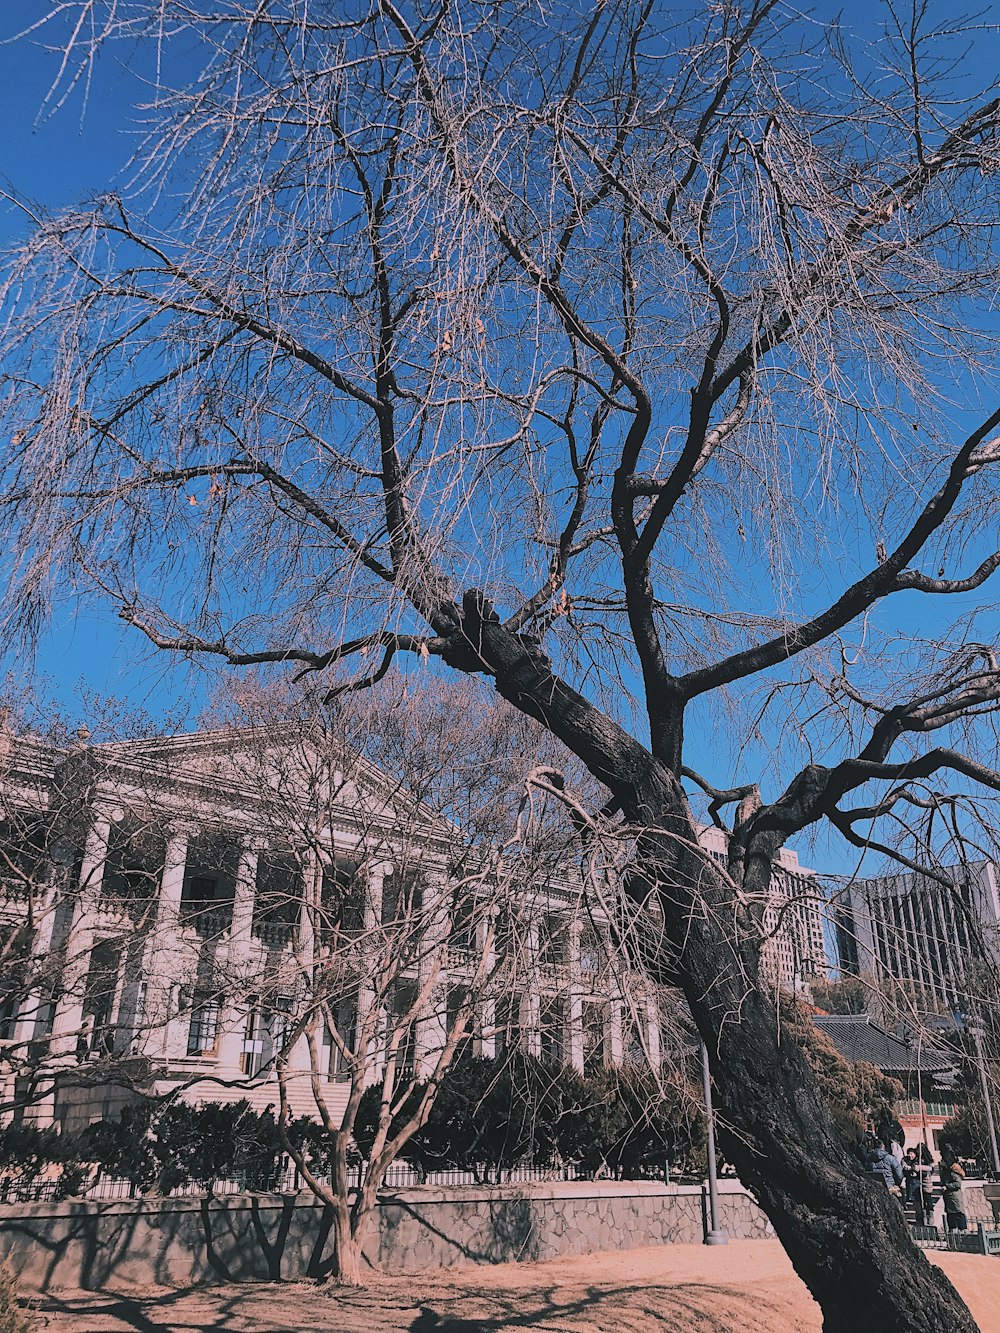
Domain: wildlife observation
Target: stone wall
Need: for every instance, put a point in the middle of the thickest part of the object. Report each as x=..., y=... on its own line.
x=977, y=1208
x=177, y=1242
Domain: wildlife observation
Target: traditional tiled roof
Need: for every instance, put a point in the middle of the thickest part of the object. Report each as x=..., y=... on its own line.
x=856, y=1037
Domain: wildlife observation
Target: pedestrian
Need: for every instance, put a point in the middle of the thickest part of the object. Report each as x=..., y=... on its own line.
x=884, y=1164
x=952, y=1176
x=912, y=1192
x=889, y=1131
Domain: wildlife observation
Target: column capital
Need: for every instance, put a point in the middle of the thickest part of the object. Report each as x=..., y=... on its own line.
x=106, y=813
x=176, y=829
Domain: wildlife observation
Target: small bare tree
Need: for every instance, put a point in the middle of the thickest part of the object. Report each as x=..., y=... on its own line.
x=635, y=362
x=388, y=874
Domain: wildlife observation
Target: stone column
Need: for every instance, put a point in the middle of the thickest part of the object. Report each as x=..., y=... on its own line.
x=367, y=999
x=614, y=1034
x=531, y=1001
x=531, y=1022
x=32, y=1007
x=299, y=1059
x=67, y=1021
x=432, y=957
x=35, y=1015
x=164, y=961
x=312, y=890
x=485, y=940
x=652, y=1014
x=233, y=1018
x=574, y=999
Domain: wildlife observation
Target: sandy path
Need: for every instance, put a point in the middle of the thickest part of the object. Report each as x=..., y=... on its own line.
x=746, y=1287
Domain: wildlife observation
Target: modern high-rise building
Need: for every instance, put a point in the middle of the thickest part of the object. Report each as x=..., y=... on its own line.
x=794, y=951
x=913, y=931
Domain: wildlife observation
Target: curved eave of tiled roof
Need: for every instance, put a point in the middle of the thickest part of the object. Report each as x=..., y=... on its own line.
x=856, y=1037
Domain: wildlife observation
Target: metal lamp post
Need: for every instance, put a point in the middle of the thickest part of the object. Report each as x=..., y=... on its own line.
x=716, y=1235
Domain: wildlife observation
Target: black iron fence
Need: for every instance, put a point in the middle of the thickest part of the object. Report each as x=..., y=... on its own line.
x=39, y=1189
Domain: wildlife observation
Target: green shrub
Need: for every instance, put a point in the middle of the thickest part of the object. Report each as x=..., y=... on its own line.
x=490, y=1115
x=167, y=1147
x=366, y=1121
x=122, y=1148
x=966, y=1134
x=639, y=1125
x=26, y=1150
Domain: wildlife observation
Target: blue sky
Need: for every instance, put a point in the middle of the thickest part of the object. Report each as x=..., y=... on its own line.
x=59, y=156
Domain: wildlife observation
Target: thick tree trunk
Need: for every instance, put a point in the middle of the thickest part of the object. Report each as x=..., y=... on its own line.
x=844, y=1233
x=846, y=1238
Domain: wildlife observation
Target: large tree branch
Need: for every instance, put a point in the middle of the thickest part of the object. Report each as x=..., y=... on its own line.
x=244, y=319
x=913, y=579
x=524, y=677
x=425, y=585
x=863, y=593
x=184, y=642
x=664, y=719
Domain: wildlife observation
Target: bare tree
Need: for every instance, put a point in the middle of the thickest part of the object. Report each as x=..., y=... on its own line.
x=286, y=909
x=635, y=363
x=392, y=891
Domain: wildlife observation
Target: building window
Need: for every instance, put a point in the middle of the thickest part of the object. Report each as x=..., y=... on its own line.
x=203, y=1032
x=552, y=1031
x=594, y=1022
x=552, y=941
x=134, y=864
x=342, y=1055
x=265, y=1033
x=508, y=1035
x=252, y=1057
x=633, y=1047
x=100, y=993
x=591, y=951
x=9, y=1008
x=342, y=902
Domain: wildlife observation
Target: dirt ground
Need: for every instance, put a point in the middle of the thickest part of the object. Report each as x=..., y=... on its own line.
x=745, y=1287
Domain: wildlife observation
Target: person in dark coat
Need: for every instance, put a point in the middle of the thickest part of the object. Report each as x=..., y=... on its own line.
x=952, y=1177
x=911, y=1177
x=889, y=1131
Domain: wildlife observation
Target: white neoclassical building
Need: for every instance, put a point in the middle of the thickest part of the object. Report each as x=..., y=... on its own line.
x=191, y=913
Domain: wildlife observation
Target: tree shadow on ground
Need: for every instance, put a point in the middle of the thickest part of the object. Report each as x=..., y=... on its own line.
x=396, y=1307
x=684, y=1308
x=104, y=1312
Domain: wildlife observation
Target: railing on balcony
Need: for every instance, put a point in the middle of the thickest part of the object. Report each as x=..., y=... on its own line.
x=15, y=888
x=275, y=934
x=208, y=922
x=911, y=1106
x=461, y=956
x=552, y=972
x=128, y=910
